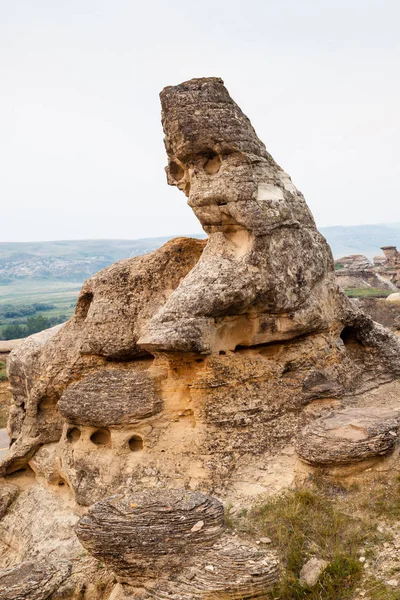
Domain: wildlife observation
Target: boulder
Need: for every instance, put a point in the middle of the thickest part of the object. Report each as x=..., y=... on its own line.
x=32, y=581
x=141, y=536
x=176, y=538
x=393, y=297
x=349, y=436
x=112, y=397
x=311, y=571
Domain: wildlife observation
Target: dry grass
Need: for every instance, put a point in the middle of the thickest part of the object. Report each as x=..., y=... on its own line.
x=328, y=522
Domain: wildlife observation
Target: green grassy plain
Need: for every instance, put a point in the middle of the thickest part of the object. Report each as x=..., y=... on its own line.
x=367, y=293
x=61, y=294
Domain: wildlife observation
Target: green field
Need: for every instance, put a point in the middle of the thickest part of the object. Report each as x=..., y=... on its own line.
x=367, y=293
x=61, y=294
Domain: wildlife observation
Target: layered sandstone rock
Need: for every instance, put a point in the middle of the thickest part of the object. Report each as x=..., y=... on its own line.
x=32, y=581
x=353, y=262
x=355, y=271
x=349, y=436
x=171, y=543
x=257, y=221
x=189, y=369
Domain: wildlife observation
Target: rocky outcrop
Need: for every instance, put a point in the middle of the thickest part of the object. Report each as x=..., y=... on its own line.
x=356, y=271
x=354, y=262
x=110, y=312
x=238, y=293
x=32, y=581
x=392, y=256
x=184, y=375
x=8, y=493
x=349, y=436
x=363, y=279
x=175, y=539
x=381, y=311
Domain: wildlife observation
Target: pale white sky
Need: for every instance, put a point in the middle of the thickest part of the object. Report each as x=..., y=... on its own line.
x=81, y=152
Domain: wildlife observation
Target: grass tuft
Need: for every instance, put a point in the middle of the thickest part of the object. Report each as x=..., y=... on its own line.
x=303, y=523
x=328, y=521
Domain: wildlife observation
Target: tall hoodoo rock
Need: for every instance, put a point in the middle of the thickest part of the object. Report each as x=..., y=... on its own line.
x=266, y=273
x=186, y=374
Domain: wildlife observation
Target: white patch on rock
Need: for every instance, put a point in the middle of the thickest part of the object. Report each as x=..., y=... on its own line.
x=269, y=192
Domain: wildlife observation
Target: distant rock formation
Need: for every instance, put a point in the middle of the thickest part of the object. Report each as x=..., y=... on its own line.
x=185, y=375
x=355, y=271
x=354, y=262
x=392, y=256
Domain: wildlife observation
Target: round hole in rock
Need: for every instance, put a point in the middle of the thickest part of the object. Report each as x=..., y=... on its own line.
x=73, y=434
x=176, y=171
x=212, y=164
x=135, y=443
x=101, y=437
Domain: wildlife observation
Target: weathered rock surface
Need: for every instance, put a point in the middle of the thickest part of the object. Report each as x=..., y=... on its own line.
x=112, y=397
x=8, y=493
x=32, y=581
x=238, y=293
x=187, y=374
x=110, y=312
x=354, y=262
x=142, y=536
x=349, y=436
x=175, y=538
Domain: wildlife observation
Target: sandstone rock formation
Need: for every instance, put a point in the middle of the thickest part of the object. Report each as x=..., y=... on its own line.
x=392, y=256
x=349, y=436
x=238, y=293
x=356, y=271
x=381, y=310
x=172, y=542
x=353, y=262
x=185, y=374
x=32, y=581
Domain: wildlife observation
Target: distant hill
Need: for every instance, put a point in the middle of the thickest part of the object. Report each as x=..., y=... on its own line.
x=70, y=260
x=76, y=260
x=361, y=239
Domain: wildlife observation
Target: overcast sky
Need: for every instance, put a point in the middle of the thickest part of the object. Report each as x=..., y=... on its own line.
x=80, y=136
